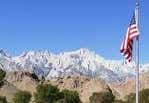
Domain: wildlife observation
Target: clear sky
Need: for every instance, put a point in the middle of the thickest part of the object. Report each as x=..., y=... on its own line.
x=65, y=25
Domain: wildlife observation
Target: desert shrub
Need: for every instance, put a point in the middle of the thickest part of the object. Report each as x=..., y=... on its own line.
x=47, y=93
x=2, y=74
x=22, y=97
x=130, y=98
x=119, y=101
x=102, y=97
x=71, y=96
x=59, y=101
x=143, y=97
x=3, y=99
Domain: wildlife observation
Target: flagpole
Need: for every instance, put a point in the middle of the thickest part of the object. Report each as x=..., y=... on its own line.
x=137, y=59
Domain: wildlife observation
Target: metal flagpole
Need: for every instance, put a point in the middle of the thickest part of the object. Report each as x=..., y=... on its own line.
x=137, y=53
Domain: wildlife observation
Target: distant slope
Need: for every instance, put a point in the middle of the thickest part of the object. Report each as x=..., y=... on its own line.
x=8, y=90
x=123, y=89
x=84, y=85
x=24, y=81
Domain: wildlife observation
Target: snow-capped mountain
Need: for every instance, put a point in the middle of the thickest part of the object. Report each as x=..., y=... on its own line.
x=82, y=62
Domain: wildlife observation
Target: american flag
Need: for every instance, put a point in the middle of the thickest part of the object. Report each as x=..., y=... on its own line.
x=127, y=44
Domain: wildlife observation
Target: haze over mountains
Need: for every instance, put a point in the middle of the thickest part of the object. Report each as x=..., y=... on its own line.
x=83, y=62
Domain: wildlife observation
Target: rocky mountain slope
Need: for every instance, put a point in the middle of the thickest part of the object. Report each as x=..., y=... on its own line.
x=81, y=70
x=15, y=81
x=9, y=91
x=127, y=87
x=84, y=85
x=83, y=62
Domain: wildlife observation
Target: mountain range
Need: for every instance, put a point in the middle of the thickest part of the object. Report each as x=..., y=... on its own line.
x=81, y=62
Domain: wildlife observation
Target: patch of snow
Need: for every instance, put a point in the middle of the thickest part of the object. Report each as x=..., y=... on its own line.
x=83, y=62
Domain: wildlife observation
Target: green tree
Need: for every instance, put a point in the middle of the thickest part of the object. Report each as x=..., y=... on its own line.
x=47, y=93
x=22, y=97
x=60, y=101
x=2, y=76
x=102, y=97
x=130, y=98
x=143, y=97
x=71, y=96
x=3, y=99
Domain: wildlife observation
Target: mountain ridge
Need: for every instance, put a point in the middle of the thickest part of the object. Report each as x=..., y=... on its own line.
x=82, y=61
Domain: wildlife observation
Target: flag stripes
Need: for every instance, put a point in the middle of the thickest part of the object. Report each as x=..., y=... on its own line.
x=127, y=44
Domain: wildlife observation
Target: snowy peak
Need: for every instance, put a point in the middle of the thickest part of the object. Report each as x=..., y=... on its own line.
x=82, y=62
x=3, y=53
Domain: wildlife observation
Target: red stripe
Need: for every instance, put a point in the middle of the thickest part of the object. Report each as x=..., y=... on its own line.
x=127, y=44
x=131, y=28
x=133, y=32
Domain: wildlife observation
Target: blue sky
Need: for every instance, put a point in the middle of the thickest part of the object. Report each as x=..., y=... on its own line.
x=65, y=25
